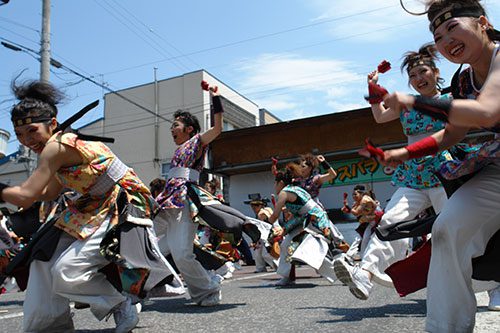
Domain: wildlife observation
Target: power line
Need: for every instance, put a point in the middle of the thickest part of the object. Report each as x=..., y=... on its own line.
x=124, y=23
x=57, y=64
x=254, y=38
x=19, y=24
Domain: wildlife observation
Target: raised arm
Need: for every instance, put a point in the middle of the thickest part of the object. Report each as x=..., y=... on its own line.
x=381, y=114
x=326, y=177
x=214, y=131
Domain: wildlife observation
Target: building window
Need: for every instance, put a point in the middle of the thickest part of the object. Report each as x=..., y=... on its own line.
x=165, y=167
x=227, y=126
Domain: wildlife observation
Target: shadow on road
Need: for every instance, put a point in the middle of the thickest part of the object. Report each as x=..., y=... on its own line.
x=7, y=303
x=291, y=286
x=416, y=309
x=181, y=305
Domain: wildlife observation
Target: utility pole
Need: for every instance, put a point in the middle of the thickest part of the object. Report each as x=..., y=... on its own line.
x=45, y=43
x=157, y=122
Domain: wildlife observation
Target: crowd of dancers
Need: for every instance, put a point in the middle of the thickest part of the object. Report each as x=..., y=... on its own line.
x=108, y=242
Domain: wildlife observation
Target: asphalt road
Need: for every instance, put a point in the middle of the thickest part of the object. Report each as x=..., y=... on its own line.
x=250, y=304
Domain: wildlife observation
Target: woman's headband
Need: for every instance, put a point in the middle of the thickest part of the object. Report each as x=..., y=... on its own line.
x=472, y=11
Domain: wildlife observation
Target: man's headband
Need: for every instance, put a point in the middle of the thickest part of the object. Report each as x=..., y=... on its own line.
x=455, y=12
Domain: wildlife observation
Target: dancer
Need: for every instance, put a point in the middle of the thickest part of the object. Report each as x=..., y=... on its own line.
x=312, y=180
x=175, y=218
x=106, y=186
x=464, y=35
x=418, y=187
x=262, y=213
x=368, y=212
x=308, y=236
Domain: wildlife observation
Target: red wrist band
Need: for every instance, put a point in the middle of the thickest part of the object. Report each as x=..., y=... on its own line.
x=424, y=147
x=376, y=93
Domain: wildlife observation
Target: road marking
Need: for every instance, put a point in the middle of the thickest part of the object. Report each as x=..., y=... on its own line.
x=11, y=315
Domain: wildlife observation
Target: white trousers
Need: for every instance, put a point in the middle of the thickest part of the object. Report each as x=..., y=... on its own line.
x=405, y=204
x=460, y=233
x=177, y=231
x=71, y=275
x=284, y=267
x=262, y=257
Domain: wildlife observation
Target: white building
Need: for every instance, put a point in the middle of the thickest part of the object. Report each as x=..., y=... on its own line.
x=142, y=140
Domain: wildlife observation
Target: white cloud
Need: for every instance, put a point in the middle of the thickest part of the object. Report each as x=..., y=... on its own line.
x=294, y=87
x=337, y=106
x=272, y=72
x=277, y=104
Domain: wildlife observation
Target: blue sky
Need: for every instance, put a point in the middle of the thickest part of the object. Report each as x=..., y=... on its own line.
x=294, y=58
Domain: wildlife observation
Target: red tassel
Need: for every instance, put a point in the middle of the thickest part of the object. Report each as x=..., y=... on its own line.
x=204, y=85
x=345, y=196
x=384, y=66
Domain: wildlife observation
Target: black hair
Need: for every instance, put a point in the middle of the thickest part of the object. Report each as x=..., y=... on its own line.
x=436, y=7
x=310, y=160
x=288, y=174
x=157, y=186
x=361, y=188
x=426, y=55
x=36, y=99
x=188, y=120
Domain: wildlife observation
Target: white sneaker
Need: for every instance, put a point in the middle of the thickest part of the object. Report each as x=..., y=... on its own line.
x=494, y=304
x=354, y=277
x=166, y=290
x=212, y=299
x=284, y=281
x=125, y=316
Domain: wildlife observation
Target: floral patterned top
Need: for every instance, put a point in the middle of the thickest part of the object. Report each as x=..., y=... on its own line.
x=487, y=152
x=185, y=156
x=84, y=215
x=310, y=185
x=315, y=215
x=418, y=173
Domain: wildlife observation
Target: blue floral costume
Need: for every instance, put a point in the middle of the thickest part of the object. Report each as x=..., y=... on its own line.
x=419, y=173
x=316, y=215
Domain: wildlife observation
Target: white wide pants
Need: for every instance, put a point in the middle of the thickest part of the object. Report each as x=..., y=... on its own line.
x=460, y=233
x=405, y=204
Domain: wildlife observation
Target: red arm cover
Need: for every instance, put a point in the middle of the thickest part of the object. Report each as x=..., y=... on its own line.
x=424, y=147
x=376, y=93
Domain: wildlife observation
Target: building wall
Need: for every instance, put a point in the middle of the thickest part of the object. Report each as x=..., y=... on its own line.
x=134, y=128
x=263, y=183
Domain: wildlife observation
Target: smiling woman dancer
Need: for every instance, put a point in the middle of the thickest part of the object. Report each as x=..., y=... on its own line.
x=418, y=187
x=463, y=35
x=107, y=187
